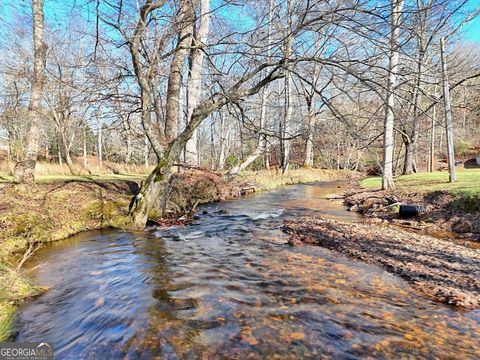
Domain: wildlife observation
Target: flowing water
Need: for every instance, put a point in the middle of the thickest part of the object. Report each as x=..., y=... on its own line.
x=227, y=286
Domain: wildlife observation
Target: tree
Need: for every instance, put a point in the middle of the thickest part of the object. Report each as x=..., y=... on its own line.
x=194, y=86
x=448, y=114
x=388, y=139
x=24, y=171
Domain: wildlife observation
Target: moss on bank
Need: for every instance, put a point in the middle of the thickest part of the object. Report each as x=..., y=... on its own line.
x=57, y=210
x=50, y=212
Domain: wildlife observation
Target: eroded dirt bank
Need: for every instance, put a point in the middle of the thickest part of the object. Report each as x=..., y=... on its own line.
x=442, y=270
x=444, y=211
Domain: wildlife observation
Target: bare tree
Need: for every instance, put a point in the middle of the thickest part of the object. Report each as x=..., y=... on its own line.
x=25, y=170
x=388, y=139
x=194, y=86
x=448, y=114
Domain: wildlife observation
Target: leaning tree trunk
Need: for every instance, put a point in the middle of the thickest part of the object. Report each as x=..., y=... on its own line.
x=388, y=138
x=24, y=171
x=154, y=187
x=260, y=150
x=66, y=153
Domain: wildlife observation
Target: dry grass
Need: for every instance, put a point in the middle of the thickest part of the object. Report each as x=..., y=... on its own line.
x=55, y=169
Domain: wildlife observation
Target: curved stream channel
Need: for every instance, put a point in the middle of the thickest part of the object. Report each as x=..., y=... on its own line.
x=227, y=286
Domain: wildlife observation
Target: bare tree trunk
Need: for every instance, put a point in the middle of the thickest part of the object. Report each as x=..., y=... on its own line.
x=146, y=153
x=448, y=115
x=310, y=126
x=24, y=171
x=60, y=161
x=176, y=70
x=431, y=163
x=99, y=152
x=195, y=78
x=66, y=151
x=224, y=136
x=410, y=164
x=285, y=123
x=263, y=139
x=388, y=138
x=85, y=163
x=250, y=158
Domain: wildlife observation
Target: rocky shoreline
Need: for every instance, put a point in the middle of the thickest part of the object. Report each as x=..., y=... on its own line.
x=442, y=270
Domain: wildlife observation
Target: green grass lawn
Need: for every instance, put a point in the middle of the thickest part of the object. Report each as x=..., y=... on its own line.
x=468, y=182
x=87, y=178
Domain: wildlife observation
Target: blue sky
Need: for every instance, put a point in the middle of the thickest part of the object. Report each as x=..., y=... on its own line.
x=13, y=13
x=472, y=30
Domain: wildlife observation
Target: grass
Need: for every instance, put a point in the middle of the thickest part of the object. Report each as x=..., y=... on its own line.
x=44, y=179
x=13, y=290
x=468, y=182
x=47, y=172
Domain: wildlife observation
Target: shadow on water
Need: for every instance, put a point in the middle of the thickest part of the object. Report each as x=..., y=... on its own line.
x=227, y=286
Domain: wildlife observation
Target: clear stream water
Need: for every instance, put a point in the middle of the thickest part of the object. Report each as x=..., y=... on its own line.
x=227, y=286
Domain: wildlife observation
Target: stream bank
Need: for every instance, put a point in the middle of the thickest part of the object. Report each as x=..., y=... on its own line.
x=446, y=214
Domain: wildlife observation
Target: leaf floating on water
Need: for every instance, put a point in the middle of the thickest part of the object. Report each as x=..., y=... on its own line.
x=96, y=273
x=297, y=336
x=99, y=302
x=388, y=316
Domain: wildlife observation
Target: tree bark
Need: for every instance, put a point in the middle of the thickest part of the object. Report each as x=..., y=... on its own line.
x=285, y=123
x=310, y=126
x=194, y=85
x=24, y=171
x=448, y=115
x=431, y=163
x=388, y=138
x=224, y=136
x=176, y=70
x=260, y=150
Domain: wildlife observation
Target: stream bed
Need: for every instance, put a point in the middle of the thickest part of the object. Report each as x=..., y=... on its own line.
x=227, y=286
